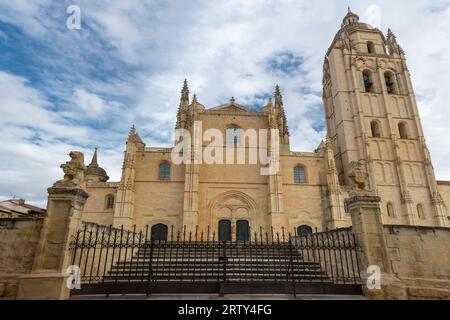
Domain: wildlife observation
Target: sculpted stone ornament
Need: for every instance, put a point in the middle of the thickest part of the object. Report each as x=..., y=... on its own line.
x=73, y=171
x=358, y=175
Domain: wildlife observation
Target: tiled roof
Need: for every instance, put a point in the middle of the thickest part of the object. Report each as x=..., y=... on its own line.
x=19, y=207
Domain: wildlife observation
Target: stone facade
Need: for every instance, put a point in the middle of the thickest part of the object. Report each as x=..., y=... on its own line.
x=371, y=116
x=372, y=173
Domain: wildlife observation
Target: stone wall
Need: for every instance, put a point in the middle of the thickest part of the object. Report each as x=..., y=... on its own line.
x=420, y=258
x=18, y=240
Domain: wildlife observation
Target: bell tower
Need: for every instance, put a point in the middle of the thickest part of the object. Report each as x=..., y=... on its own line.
x=372, y=115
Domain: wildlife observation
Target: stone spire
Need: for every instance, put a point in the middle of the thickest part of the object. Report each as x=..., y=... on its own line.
x=94, y=159
x=185, y=91
x=278, y=97
x=183, y=107
x=94, y=172
x=132, y=134
x=280, y=114
x=194, y=108
x=393, y=47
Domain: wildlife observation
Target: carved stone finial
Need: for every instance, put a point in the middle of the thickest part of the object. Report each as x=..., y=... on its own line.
x=182, y=108
x=185, y=91
x=132, y=134
x=73, y=171
x=358, y=174
x=278, y=96
x=392, y=44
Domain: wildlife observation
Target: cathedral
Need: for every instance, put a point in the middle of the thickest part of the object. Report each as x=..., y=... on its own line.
x=371, y=117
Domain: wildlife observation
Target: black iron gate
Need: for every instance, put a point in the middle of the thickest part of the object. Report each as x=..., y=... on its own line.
x=114, y=261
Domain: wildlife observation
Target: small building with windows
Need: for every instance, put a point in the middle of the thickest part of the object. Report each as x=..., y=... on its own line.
x=371, y=115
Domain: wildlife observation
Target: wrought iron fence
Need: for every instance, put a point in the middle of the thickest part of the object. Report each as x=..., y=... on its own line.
x=135, y=260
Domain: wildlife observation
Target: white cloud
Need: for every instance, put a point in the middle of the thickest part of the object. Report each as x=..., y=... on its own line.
x=89, y=102
x=26, y=13
x=36, y=140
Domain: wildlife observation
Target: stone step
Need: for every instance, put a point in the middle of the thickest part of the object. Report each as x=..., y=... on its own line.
x=162, y=269
x=195, y=260
x=230, y=277
x=236, y=263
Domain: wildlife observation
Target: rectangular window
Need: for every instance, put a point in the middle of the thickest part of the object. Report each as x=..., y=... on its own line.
x=164, y=171
x=299, y=175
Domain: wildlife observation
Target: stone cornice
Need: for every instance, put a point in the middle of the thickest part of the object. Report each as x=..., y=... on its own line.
x=67, y=191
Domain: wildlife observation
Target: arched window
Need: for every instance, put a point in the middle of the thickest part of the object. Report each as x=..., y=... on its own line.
x=370, y=47
x=304, y=230
x=159, y=232
x=368, y=83
x=390, y=210
x=233, y=136
x=164, y=171
x=420, y=211
x=224, y=230
x=389, y=79
x=403, y=130
x=109, y=203
x=299, y=174
x=242, y=230
x=375, y=127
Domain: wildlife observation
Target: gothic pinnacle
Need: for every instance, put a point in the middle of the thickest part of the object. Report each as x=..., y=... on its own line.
x=185, y=86
x=94, y=162
x=390, y=33
x=278, y=97
x=132, y=133
x=185, y=92
x=277, y=89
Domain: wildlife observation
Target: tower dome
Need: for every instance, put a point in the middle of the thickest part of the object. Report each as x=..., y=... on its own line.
x=350, y=18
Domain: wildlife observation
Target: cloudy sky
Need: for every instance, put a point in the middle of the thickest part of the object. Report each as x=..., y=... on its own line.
x=63, y=90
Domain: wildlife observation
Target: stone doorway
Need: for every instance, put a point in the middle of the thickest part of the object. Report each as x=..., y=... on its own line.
x=233, y=214
x=242, y=228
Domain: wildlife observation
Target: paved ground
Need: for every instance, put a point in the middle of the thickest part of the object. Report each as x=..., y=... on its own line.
x=216, y=297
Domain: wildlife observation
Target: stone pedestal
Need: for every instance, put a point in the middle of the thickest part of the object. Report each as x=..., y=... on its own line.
x=367, y=227
x=48, y=277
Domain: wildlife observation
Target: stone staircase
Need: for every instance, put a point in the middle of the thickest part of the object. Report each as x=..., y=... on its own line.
x=174, y=262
